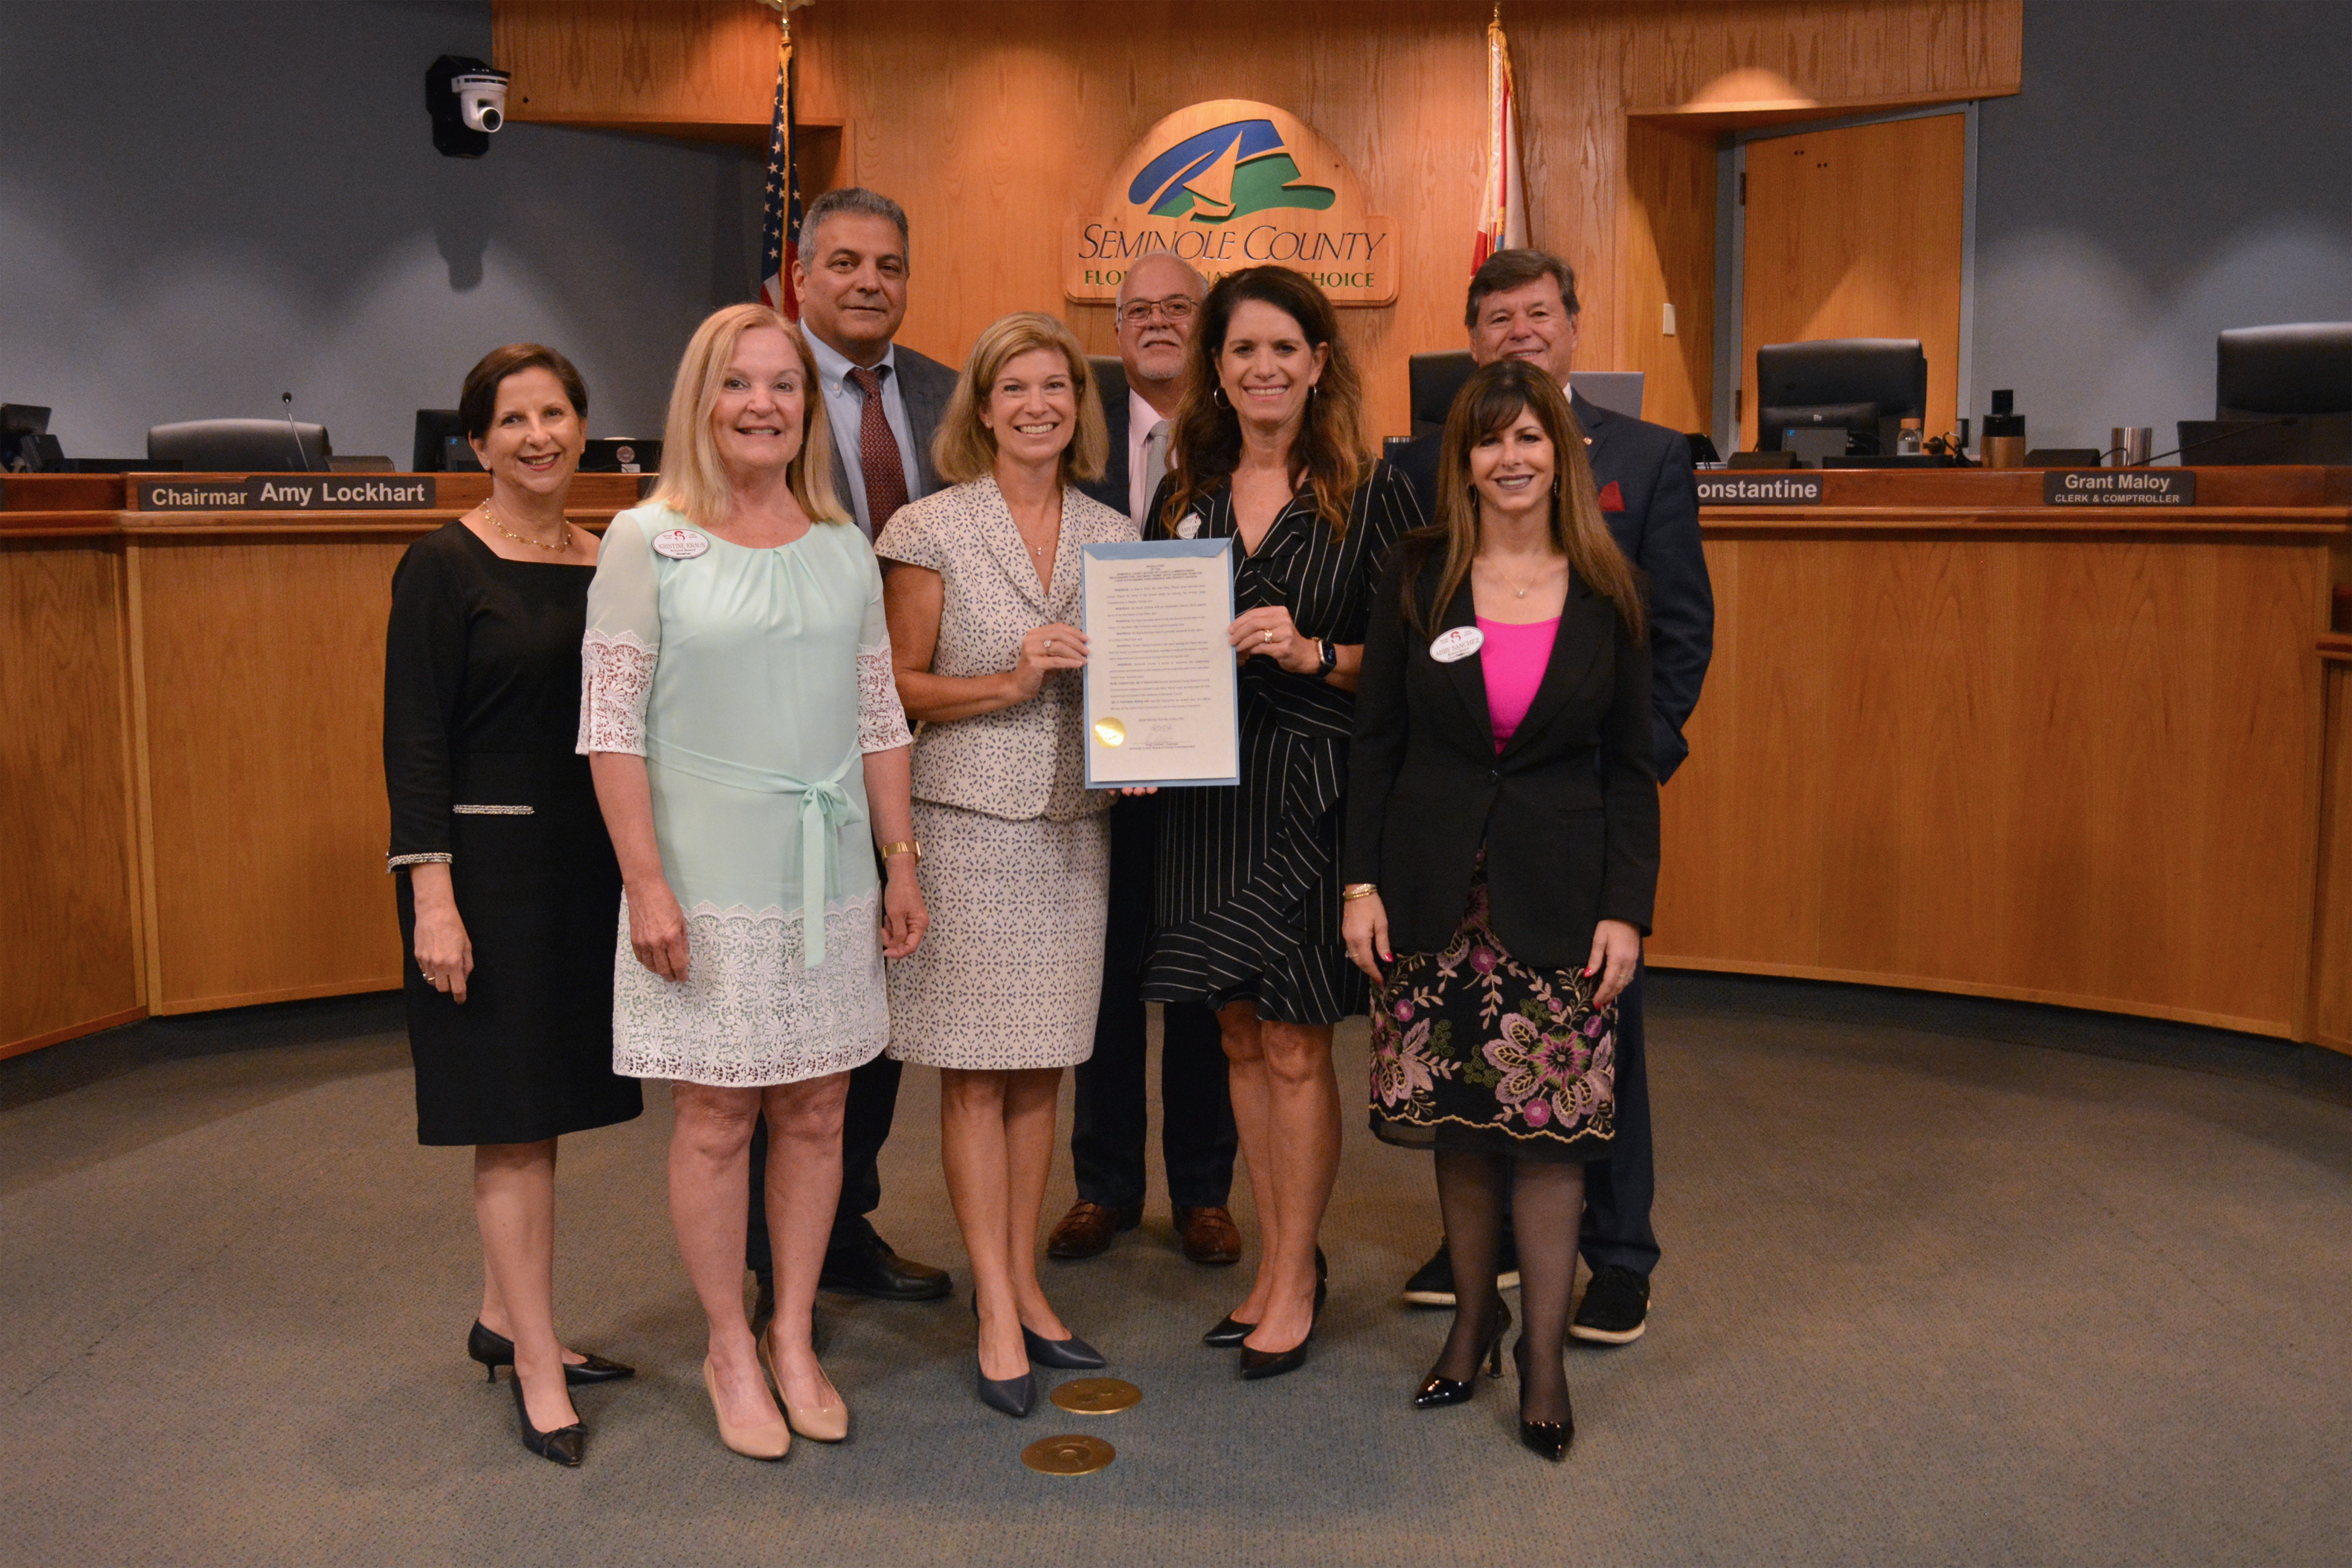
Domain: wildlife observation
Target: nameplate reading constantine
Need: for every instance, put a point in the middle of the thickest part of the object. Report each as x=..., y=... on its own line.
x=2119, y=487
x=1759, y=490
x=288, y=492
x=1231, y=185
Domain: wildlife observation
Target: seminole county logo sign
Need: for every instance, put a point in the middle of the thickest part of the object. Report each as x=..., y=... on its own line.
x=1231, y=185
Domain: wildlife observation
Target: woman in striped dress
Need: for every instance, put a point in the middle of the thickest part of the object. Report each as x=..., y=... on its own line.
x=1267, y=451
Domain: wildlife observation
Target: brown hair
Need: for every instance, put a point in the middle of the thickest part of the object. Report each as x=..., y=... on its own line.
x=692, y=479
x=1489, y=403
x=1509, y=270
x=964, y=449
x=478, y=399
x=1205, y=443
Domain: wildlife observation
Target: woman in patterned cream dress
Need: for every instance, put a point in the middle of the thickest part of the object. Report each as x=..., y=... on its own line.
x=983, y=589
x=750, y=755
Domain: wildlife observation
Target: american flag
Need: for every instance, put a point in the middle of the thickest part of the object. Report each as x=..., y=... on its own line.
x=779, y=222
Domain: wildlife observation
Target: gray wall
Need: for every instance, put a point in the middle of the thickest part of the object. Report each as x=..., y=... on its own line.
x=205, y=205
x=2171, y=169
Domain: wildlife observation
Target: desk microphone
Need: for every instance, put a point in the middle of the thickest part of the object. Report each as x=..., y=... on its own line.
x=302, y=458
x=2237, y=428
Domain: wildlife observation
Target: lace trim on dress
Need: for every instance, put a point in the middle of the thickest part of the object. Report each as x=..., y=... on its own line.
x=750, y=1012
x=616, y=678
x=394, y=862
x=881, y=717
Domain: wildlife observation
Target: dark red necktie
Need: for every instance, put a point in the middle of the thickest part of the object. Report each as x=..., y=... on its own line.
x=880, y=462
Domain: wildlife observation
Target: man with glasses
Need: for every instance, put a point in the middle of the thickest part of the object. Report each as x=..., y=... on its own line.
x=1157, y=302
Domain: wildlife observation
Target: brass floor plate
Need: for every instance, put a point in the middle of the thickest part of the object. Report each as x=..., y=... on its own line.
x=1097, y=1396
x=1070, y=1456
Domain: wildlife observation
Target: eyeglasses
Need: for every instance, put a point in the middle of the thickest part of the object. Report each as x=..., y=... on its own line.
x=1176, y=309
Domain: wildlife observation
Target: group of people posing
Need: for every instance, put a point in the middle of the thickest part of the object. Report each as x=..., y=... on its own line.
x=780, y=785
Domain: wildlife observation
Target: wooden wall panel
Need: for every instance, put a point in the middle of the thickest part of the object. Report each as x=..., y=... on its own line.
x=261, y=717
x=1856, y=234
x=993, y=123
x=1666, y=255
x=68, y=921
x=2066, y=769
x=2331, y=990
x=670, y=65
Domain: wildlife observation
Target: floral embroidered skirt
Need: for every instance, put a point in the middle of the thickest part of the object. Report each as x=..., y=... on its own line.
x=1475, y=1051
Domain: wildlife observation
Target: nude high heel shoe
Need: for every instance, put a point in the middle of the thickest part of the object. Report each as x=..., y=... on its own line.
x=817, y=1423
x=768, y=1440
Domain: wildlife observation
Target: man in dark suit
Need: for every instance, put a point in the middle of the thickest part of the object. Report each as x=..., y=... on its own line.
x=885, y=402
x=1157, y=301
x=1523, y=305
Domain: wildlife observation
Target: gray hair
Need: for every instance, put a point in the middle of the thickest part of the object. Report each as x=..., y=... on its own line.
x=855, y=199
x=1118, y=302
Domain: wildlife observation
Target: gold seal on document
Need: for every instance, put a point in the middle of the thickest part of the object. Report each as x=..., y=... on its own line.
x=1097, y=1396
x=1111, y=731
x=1071, y=1456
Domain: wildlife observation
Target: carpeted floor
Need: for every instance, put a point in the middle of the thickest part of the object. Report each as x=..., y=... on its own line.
x=1945, y=1282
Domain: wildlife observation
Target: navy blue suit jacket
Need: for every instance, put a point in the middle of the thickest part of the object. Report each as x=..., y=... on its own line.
x=1658, y=527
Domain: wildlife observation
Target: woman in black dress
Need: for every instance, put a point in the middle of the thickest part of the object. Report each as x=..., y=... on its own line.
x=1267, y=451
x=1502, y=857
x=510, y=892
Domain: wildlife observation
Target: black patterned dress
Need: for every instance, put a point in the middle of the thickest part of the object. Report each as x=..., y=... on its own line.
x=1248, y=891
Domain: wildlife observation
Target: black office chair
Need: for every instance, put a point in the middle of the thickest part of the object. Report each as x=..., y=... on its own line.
x=239, y=447
x=1862, y=386
x=2305, y=367
x=1432, y=381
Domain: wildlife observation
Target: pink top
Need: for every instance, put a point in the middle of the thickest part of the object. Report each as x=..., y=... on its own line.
x=1514, y=658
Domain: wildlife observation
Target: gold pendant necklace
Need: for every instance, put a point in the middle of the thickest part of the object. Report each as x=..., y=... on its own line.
x=562, y=531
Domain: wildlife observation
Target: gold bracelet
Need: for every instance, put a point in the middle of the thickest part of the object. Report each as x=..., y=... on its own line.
x=904, y=847
x=1358, y=890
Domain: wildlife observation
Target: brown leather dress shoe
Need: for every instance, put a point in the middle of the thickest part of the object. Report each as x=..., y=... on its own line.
x=1208, y=1235
x=1088, y=1228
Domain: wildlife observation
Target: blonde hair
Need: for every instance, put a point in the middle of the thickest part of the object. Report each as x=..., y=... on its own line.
x=965, y=450
x=693, y=481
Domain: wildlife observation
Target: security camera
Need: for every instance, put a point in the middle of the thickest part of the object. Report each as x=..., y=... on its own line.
x=481, y=99
x=467, y=100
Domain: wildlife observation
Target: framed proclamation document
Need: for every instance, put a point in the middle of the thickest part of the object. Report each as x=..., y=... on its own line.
x=1163, y=703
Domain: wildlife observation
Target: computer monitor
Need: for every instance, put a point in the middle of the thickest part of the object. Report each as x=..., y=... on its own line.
x=240, y=446
x=2305, y=367
x=1859, y=385
x=434, y=427
x=621, y=454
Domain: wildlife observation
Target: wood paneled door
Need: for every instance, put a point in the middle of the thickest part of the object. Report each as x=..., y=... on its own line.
x=1856, y=232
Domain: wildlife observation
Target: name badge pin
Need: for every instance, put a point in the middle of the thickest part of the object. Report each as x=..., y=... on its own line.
x=1459, y=643
x=1189, y=527
x=680, y=545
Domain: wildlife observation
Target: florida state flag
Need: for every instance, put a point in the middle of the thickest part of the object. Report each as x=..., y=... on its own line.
x=1502, y=204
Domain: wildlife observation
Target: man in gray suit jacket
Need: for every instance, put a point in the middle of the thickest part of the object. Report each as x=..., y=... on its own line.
x=885, y=402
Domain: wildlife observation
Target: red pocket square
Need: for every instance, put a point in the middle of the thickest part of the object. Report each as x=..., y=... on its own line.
x=1612, y=498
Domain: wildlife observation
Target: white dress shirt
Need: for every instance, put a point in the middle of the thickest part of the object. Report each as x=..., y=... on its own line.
x=1141, y=417
x=844, y=405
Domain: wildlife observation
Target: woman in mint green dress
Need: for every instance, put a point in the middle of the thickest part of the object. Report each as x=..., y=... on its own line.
x=750, y=756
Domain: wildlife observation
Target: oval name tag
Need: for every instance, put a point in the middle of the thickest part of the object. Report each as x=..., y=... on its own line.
x=680, y=545
x=1459, y=643
x=1189, y=527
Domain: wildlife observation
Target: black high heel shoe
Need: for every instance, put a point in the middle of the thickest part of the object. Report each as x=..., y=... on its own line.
x=1230, y=1331
x=1072, y=1353
x=1551, y=1439
x=1438, y=1392
x=566, y=1444
x=494, y=1351
x=1257, y=1363
x=1016, y=1397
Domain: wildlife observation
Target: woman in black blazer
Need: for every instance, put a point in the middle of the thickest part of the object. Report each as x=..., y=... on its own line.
x=1503, y=837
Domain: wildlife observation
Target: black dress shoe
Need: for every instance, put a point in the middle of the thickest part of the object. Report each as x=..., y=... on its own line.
x=1552, y=1439
x=1231, y=1330
x=565, y=1444
x=494, y=1351
x=872, y=1269
x=1013, y=1395
x=1258, y=1364
x=1438, y=1392
x=1071, y=1354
